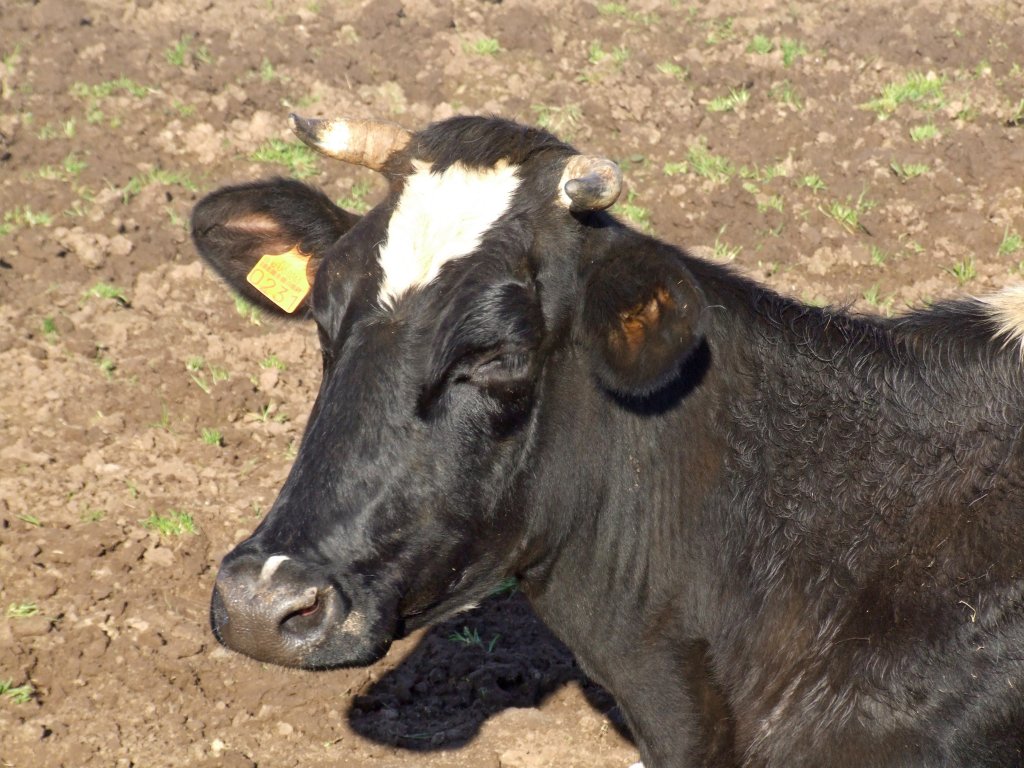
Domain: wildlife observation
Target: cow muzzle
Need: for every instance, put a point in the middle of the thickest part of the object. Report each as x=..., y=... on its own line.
x=275, y=611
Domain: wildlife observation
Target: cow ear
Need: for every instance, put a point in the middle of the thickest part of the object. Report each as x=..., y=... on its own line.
x=642, y=318
x=235, y=227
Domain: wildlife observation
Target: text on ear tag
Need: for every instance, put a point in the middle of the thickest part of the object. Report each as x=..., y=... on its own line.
x=281, y=278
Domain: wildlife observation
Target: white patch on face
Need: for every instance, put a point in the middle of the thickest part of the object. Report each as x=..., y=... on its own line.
x=1007, y=310
x=441, y=217
x=272, y=564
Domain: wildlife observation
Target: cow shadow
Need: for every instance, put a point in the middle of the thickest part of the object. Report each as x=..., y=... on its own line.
x=464, y=671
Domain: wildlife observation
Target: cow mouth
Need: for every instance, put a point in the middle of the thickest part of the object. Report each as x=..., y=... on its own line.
x=419, y=616
x=460, y=595
x=410, y=621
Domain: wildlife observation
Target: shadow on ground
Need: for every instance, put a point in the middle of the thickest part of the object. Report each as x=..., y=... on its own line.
x=463, y=672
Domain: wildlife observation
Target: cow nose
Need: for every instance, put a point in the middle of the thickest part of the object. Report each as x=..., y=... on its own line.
x=272, y=609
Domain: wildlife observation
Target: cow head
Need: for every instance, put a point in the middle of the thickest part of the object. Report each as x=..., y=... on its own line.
x=444, y=313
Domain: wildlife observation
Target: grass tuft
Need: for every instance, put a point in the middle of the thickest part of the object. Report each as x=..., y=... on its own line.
x=23, y=216
x=471, y=636
x=813, y=182
x=923, y=132
x=785, y=94
x=122, y=86
x=761, y=45
x=248, y=311
x=791, y=51
x=485, y=46
x=964, y=271
x=71, y=166
x=722, y=251
x=183, y=51
x=736, y=98
x=637, y=215
x=1011, y=243
x=720, y=31
x=708, y=165
x=174, y=523
x=299, y=159
x=561, y=120
x=22, y=610
x=156, y=176
x=1016, y=118
x=925, y=91
x=356, y=199
x=873, y=297
x=108, y=291
x=21, y=694
x=273, y=361
x=671, y=69
x=847, y=212
x=211, y=436
x=906, y=171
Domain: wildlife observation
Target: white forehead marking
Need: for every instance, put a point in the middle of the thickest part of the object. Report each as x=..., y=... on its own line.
x=440, y=217
x=1007, y=310
x=271, y=565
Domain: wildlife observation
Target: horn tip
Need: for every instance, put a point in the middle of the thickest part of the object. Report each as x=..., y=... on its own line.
x=301, y=126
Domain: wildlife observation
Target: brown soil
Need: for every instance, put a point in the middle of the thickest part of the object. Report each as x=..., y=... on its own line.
x=116, y=116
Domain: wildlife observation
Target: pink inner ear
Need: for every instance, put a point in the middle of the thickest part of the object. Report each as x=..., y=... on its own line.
x=264, y=233
x=255, y=223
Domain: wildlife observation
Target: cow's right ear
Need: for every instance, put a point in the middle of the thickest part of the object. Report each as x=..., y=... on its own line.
x=235, y=227
x=642, y=318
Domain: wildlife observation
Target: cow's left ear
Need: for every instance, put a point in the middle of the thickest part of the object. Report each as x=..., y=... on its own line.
x=236, y=228
x=642, y=318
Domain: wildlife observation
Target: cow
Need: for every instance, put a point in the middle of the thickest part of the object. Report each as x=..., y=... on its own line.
x=777, y=534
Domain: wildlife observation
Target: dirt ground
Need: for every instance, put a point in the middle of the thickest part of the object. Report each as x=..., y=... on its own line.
x=868, y=154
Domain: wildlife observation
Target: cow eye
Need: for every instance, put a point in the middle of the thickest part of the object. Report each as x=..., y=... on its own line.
x=506, y=383
x=498, y=368
x=501, y=374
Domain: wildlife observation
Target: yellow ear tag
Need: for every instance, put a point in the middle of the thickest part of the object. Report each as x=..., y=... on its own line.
x=282, y=278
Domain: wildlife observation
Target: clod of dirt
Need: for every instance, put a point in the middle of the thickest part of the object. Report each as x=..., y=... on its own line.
x=31, y=626
x=92, y=248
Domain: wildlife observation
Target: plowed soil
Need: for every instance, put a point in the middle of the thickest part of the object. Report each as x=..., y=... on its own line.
x=866, y=154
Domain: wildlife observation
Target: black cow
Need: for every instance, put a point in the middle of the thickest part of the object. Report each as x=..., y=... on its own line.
x=779, y=535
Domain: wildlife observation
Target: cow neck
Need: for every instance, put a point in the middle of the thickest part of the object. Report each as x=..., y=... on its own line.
x=607, y=522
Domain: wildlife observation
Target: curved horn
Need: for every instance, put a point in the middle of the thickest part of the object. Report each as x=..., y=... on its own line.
x=590, y=183
x=362, y=142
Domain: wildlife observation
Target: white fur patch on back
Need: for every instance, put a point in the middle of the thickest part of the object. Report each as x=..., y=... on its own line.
x=1007, y=310
x=441, y=217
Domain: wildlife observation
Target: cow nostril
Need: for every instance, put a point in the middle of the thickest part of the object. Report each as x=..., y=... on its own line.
x=310, y=609
x=300, y=617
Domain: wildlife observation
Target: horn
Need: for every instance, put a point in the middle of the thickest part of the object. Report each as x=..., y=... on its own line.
x=590, y=183
x=362, y=142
